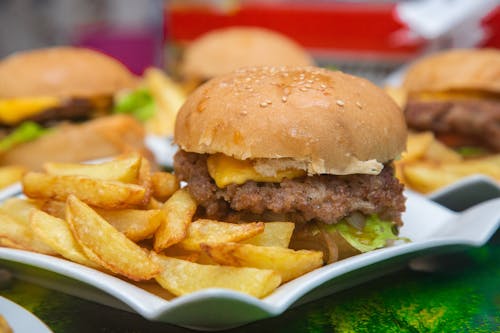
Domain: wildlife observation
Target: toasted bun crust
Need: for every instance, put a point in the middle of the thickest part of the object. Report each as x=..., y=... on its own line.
x=224, y=50
x=63, y=72
x=334, y=122
x=465, y=69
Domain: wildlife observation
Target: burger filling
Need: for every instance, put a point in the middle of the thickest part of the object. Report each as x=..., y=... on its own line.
x=25, y=119
x=472, y=122
x=319, y=204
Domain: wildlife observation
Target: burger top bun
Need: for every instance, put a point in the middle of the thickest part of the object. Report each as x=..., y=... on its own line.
x=330, y=122
x=224, y=50
x=63, y=72
x=462, y=69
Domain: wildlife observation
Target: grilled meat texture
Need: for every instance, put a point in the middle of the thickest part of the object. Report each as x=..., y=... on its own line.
x=321, y=198
x=478, y=120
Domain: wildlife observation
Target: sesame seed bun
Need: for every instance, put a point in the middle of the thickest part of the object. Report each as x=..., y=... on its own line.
x=62, y=72
x=332, y=122
x=463, y=69
x=224, y=50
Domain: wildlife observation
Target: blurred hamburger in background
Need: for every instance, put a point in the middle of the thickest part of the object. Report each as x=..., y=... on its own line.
x=299, y=144
x=451, y=102
x=456, y=95
x=221, y=51
x=45, y=97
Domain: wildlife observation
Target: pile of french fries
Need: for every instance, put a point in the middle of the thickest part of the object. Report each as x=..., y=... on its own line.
x=121, y=218
x=429, y=165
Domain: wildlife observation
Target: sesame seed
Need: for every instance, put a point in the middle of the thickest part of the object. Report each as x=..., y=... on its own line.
x=283, y=99
x=340, y=103
x=359, y=105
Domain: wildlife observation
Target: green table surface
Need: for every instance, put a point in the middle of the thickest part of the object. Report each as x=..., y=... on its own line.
x=460, y=294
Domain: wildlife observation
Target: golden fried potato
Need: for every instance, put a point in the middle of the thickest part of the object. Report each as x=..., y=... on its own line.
x=136, y=224
x=169, y=98
x=102, y=242
x=15, y=229
x=210, y=231
x=275, y=234
x=177, y=214
x=181, y=277
x=428, y=176
x=287, y=262
x=145, y=181
x=100, y=193
x=164, y=185
x=11, y=174
x=124, y=169
x=55, y=233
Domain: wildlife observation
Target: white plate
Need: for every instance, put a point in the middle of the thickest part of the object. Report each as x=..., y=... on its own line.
x=431, y=227
x=19, y=319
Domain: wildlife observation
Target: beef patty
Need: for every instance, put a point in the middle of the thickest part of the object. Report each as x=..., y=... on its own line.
x=321, y=198
x=478, y=120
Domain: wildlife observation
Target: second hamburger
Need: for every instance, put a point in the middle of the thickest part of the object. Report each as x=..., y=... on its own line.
x=301, y=144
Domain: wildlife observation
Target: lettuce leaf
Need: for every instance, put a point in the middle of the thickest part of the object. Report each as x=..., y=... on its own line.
x=138, y=103
x=375, y=234
x=25, y=132
x=471, y=151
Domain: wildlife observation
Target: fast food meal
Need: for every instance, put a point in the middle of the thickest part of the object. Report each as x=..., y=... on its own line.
x=456, y=95
x=223, y=50
x=298, y=144
x=111, y=216
x=452, y=105
x=44, y=96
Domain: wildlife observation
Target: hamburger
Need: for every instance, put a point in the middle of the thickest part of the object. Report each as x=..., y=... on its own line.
x=221, y=51
x=456, y=95
x=45, y=88
x=299, y=144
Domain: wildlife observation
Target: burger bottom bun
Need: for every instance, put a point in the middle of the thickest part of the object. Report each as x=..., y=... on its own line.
x=99, y=138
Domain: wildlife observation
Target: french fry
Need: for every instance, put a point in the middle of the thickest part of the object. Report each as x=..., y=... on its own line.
x=177, y=214
x=100, y=193
x=178, y=253
x=17, y=233
x=11, y=174
x=182, y=277
x=55, y=232
x=54, y=208
x=164, y=185
x=427, y=176
x=439, y=152
x=287, y=262
x=210, y=231
x=169, y=97
x=124, y=169
x=145, y=181
x=417, y=146
x=111, y=248
x=275, y=234
x=20, y=209
x=136, y=224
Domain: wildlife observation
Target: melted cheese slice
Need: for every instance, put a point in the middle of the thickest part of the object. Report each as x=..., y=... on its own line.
x=454, y=95
x=14, y=110
x=226, y=170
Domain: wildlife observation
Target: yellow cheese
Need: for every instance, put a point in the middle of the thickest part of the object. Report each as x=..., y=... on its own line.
x=226, y=170
x=14, y=110
x=454, y=95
